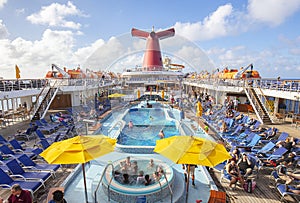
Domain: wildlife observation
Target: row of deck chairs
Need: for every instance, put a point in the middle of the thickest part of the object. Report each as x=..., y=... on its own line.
x=20, y=164
x=260, y=149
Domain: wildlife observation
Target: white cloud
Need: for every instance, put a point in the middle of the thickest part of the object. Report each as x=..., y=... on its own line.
x=215, y=25
x=2, y=3
x=272, y=12
x=20, y=11
x=35, y=57
x=3, y=30
x=55, y=15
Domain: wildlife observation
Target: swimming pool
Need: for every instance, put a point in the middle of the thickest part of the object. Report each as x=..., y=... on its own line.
x=94, y=170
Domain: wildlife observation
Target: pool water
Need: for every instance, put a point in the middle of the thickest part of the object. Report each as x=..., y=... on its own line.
x=147, y=123
x=145, y=135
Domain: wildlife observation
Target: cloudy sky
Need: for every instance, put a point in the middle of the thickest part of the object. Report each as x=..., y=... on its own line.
x=96, y=34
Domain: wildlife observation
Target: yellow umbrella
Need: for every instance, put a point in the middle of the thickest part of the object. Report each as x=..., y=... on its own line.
x=116, y=95
x=79, y=149
x=199, y=109
x=17, y=72
x=138, y=93
x=191, y=150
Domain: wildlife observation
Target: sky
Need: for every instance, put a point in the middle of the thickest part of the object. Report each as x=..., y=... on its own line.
x=96, y=35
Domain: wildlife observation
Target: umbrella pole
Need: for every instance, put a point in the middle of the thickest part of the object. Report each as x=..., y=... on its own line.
x=187, y=183
x=84, y=181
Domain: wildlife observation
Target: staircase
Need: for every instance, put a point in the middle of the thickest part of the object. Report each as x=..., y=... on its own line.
x=260, y=109
x=43, y=102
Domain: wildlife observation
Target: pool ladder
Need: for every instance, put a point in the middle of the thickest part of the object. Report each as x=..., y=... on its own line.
x=98, y=185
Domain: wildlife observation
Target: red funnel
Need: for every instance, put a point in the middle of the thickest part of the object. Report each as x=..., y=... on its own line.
x=152, y=58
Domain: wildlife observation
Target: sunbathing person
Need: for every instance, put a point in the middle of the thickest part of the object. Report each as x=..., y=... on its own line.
x=295, y=190
x=289, y=143
x=269, y=134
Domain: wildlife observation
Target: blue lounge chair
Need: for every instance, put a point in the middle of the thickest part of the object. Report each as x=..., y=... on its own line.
x=282, y=189
x=282, y=137
x=264, y=161
x=53, y=125
x=8, y=152
x=28, y=163
x=43, y=137
x=18, y=172
x=263, y=150
x=6, y=182
x=41, y=127
x=3, y=140
x=28, y=134
x=249, y=145
x=19, y=148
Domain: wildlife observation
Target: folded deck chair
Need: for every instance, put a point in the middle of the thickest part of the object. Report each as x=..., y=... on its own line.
x=8, y=152
x=18, y=172
x=6, y=182
x=28, y=163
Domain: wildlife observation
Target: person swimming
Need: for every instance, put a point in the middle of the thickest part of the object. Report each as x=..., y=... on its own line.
x=161, y=134
x=130, y=124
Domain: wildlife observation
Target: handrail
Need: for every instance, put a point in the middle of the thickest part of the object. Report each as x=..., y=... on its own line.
x=121, y=123
x=98, y=185
x=271, y=109
x=254, y=101
x=171, y=192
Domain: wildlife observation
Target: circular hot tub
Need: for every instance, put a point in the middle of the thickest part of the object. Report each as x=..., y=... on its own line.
x=128, y=193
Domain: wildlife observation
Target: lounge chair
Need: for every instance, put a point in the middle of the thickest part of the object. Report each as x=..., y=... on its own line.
x=282, y=189
x=248, y=146
x=43, y=137
x=18, y=172
x=28, y=163
x=265, y=161
x=53, y=125
x=28, y=134
x=41, y=127
x=6, y=182
x=263, y=150
x=19, y=148
x=8, y=152
x=3, y=140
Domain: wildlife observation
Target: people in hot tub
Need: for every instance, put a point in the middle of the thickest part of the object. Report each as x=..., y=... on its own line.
x=156, y=176
x=125, y=165
x=140, y=179
x=147, y=180
x=134, y=168
x=126, y=178
x=151, y=165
